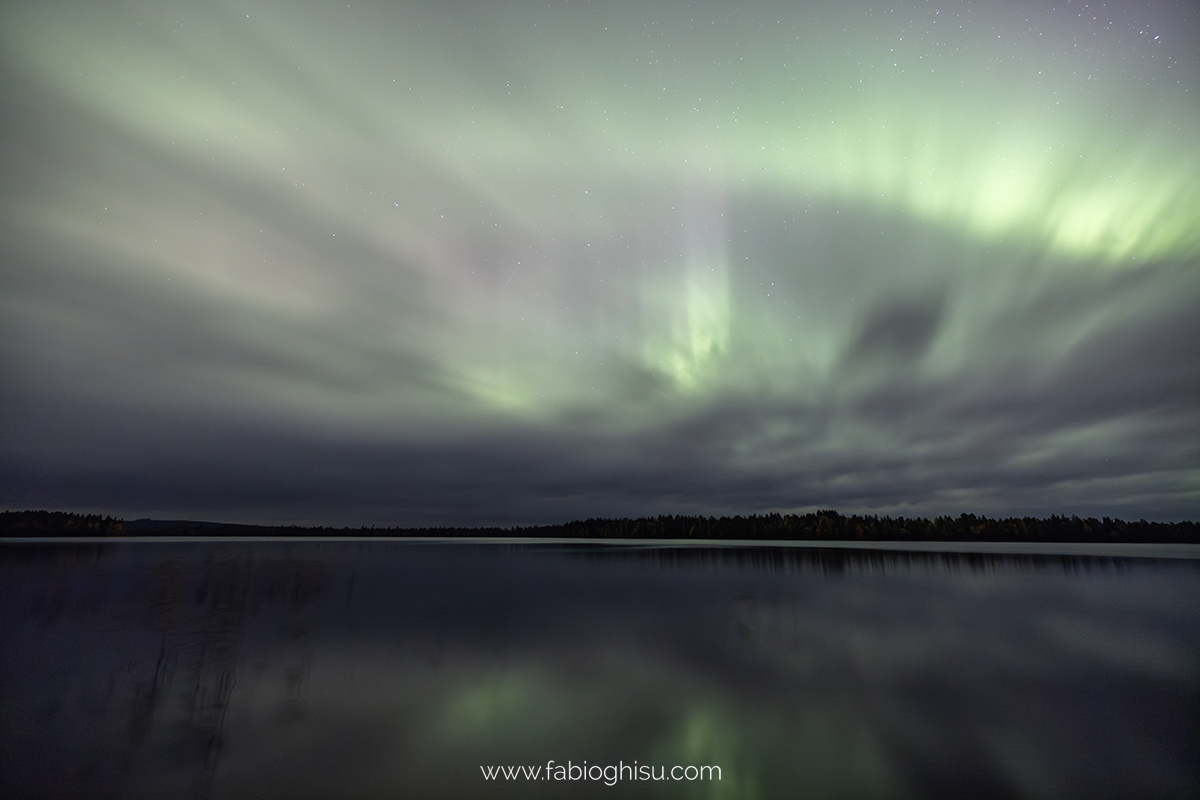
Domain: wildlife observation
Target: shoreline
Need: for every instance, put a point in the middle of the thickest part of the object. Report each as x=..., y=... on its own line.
x=1165, y=550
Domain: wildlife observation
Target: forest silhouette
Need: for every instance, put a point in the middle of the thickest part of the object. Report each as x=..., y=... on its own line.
x=826, y=525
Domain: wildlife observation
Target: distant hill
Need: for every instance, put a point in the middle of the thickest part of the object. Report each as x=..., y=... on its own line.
x=820, y=526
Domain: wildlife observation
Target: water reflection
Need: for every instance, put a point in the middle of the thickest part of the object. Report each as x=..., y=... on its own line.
x=828, y=560
x=387, y=670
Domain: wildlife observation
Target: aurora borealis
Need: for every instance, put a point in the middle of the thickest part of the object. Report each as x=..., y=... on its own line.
x=489, y=263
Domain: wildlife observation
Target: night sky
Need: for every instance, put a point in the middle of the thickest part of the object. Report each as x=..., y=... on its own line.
x=517, y=263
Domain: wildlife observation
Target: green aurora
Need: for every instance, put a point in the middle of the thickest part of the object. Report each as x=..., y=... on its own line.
x=607, y=223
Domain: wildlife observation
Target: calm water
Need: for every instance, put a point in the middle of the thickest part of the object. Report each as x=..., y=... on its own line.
x=359, y=670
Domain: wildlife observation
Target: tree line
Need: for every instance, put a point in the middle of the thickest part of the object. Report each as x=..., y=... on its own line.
x=826, y=525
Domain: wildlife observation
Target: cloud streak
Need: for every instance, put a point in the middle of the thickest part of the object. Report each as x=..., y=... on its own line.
x=411, y=265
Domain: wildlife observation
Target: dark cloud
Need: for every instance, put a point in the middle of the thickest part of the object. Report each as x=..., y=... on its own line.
x=895, y=333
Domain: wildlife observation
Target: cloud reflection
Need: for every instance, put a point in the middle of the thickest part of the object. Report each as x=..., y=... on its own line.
x=365, y=669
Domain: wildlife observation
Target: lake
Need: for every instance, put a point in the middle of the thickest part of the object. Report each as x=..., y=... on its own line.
x=364, y=669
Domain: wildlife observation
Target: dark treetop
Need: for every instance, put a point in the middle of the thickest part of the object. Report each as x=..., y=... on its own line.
x=820, y=526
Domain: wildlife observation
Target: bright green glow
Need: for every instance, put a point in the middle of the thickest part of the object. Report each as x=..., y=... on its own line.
x=691, y=313
x=707, y=737
x=991, y=155
x=538, y=206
